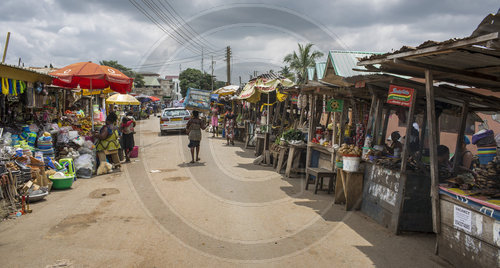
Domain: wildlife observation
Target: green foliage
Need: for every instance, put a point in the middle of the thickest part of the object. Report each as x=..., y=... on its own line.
x=285, y=71
x=219, y=84
x=196, y=79
x=293, y=135
x=138, y=78
x=299, y=61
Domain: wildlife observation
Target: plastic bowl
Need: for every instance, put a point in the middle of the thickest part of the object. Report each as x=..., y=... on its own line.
x=61, y=183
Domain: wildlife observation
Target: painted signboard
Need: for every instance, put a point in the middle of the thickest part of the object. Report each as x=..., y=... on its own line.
x=335, y=105
x=197, y=99
x=401, y=96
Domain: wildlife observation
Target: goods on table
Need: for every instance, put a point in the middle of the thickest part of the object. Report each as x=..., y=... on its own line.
x=485, y=181
x=350, y=150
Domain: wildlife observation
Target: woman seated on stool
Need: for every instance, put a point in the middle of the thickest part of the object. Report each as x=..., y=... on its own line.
x=108, y=140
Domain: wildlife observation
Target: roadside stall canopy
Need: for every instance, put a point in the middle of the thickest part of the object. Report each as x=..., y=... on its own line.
x=92, y=76
x=269, y=83
x=226, y=90
x=122, y=99
x=22, y=74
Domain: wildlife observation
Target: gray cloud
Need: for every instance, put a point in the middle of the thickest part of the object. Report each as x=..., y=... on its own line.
x=65, y=31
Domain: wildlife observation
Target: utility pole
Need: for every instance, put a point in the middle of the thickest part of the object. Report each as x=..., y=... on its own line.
x=228, y=64
x=212, y=76
x=201, y=59
x=6, y=46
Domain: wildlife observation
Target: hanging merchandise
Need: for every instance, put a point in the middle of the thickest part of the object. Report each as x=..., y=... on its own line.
x=12, y=87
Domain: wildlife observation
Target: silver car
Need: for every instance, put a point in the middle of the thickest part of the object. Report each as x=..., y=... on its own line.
x=173, y=119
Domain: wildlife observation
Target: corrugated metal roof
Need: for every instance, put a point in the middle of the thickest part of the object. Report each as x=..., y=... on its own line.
x=344, y=61
x=320, y=69
x=151, y=81
x=310, y=73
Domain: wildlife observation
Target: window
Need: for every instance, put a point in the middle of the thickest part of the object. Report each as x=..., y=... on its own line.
x=175, y=113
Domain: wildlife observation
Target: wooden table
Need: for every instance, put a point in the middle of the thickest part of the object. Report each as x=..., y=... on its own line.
x=260, y=145
x=294, y=159
x=349, y=189
x=281, y=158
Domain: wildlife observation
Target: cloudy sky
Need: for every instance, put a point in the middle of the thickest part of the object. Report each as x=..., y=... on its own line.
x=165, y=36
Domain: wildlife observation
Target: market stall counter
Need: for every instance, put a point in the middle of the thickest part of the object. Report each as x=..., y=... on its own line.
x=384, y=196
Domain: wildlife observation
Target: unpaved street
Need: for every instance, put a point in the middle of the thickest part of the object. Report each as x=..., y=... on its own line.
x=222, y=212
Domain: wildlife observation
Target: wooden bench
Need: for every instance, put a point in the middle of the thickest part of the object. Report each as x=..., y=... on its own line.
x=319, y=173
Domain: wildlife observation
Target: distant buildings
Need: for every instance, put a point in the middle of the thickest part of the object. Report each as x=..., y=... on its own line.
x=164, y=88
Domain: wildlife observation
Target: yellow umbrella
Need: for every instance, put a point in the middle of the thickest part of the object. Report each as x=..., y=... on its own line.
x=123, y=99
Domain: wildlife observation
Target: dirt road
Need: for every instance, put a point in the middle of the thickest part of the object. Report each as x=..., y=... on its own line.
x=222, y=212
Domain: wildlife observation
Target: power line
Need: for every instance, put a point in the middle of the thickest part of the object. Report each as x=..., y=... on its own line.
x=187, y=37
x=152, y=19
x=185, y=24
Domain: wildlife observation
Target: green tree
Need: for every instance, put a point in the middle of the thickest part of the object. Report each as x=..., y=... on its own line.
x=138, y=78
x=194, y=78
x=285, y=71
x=219, y=84
x=301, y=59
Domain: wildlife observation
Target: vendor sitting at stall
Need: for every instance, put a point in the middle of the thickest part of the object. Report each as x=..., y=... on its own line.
x=108, y=140
x=395, y=147
x=444, y=165
x=464, y=161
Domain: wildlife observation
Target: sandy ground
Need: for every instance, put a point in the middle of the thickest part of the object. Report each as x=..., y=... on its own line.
x=161, y=211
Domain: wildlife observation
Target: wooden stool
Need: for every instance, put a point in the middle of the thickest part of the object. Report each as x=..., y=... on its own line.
x=349, y=189
x=320, y=173
x=114, y=156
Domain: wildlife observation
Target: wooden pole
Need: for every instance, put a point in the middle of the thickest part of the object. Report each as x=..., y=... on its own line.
x=6, y=47
x=378, y=120
x=371, y=116
x=345, y=110
x=461, y=134
x=431, y=124
x=384, y=128
x=409, y=126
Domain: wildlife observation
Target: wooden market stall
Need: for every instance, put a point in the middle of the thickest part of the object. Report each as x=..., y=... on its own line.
x=465, y=221
x=336, y=117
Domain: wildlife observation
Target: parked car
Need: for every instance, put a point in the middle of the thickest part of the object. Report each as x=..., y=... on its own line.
x=174, y=119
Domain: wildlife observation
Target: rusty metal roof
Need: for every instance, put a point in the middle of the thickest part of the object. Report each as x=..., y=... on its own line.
x=465, y=61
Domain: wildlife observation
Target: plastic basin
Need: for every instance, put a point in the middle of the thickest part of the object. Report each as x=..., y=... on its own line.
x=61, y=183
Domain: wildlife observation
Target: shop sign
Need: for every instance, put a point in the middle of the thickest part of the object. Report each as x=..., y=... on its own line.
x=214, y=97
x=401, y=96
x=335, y=105
x=462, y=218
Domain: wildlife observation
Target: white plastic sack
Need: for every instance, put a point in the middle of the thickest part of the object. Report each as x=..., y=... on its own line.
x=497, y=139
x=84, y=161
x=78, y=141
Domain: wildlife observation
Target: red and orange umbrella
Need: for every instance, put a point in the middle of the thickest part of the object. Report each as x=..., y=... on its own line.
x=92, y=76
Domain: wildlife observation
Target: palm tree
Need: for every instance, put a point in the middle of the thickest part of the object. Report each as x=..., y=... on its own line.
x=301, y=60
x=285, y=71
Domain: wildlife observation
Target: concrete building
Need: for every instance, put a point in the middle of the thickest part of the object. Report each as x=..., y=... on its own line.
x=173, y=83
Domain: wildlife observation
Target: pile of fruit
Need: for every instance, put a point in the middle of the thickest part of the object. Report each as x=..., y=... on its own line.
x=350, y=150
